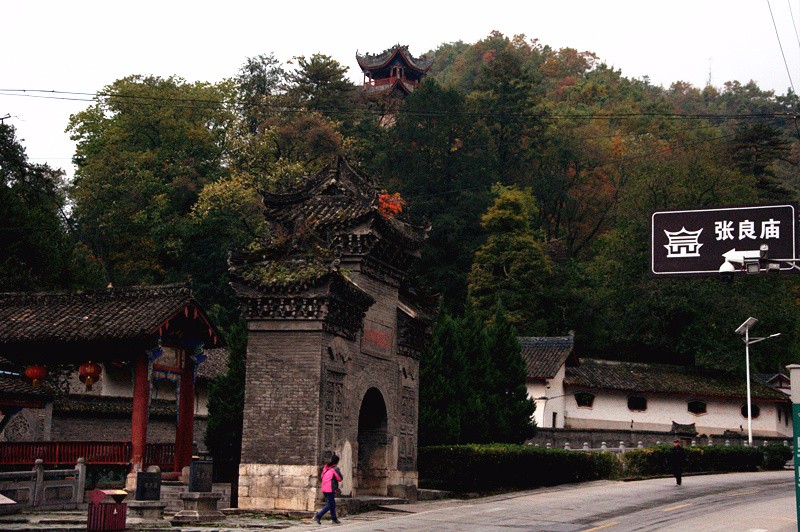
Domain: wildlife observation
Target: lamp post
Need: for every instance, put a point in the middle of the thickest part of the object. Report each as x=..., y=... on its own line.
x=744, y=329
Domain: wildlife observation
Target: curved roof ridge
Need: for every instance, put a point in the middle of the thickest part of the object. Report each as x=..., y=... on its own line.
x=372, y=61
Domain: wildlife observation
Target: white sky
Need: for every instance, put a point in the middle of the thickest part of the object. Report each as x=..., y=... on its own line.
x=83, y=45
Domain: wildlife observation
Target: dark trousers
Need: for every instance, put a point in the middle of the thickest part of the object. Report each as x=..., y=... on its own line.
x=331, y=505
x=677, y=472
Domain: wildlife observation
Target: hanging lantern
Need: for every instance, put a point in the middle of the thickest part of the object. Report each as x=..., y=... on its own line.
x=89, y=372
x=36, y=373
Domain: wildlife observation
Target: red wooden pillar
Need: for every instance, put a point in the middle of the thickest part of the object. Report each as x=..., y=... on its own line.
x=141, y=398
x=184, y=434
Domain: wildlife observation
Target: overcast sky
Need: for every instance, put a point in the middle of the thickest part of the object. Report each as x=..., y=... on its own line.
x=82, y=45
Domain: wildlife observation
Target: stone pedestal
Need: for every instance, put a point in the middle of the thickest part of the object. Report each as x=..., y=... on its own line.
x=198, y=507
x=146, y=514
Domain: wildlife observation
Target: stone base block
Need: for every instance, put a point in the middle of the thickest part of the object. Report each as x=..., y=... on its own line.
x=278, y=488
x=198, y=507
x=146, y=514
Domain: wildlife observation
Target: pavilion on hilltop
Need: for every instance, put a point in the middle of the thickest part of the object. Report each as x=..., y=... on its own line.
x=394, y=71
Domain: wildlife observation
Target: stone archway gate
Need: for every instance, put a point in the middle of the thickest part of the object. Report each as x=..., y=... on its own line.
x=332, y=329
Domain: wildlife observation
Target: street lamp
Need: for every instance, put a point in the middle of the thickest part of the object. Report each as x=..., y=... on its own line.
x=744, y=329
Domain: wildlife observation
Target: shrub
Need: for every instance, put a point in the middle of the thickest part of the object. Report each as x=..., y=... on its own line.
x=465, y=468
x=776, y=456
x=655, y=460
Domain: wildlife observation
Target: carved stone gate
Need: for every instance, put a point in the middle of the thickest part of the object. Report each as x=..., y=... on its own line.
x=334, y=341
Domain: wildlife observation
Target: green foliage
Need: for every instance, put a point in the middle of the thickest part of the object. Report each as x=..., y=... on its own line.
x=226, y=405
x=472, y=383
x=511, y=268
x=37, y=253
x=144, y=152
x=655, y=460
x=776, y=456
x=484, y=468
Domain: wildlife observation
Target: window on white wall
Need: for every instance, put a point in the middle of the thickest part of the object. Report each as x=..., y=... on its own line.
x=637, y=403
x=755, y=411
x=696, y=407
x=584, y=399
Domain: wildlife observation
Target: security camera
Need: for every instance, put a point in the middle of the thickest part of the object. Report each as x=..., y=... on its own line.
x=726, y=272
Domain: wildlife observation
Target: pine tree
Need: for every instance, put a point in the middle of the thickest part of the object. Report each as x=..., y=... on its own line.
x=512, y=408
x=440, y=377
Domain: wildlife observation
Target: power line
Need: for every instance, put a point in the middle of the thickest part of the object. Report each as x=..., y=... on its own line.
x=780, y=45
x=205, y=104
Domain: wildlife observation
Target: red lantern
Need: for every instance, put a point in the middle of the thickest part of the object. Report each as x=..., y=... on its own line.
x=36, y=373
x=89, y=372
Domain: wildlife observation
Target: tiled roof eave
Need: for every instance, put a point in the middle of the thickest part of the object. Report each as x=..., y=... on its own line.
x=698, y=395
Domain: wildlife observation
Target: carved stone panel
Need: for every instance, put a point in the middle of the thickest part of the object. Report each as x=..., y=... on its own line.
x=333, y=401
x=407, y=438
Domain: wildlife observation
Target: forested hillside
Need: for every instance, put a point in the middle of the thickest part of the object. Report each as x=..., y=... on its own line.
x=536, y=167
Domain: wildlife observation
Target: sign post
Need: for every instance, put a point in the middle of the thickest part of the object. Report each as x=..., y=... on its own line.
x=794, y=376
x=711, y=241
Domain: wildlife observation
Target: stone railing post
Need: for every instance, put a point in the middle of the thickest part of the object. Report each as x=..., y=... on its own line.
x=727, y=443
x=694, y=443
x=586, y=446
x=566, y=446
x=622, y=446
x=548, y=445
x=640, y=445
x=38, y=485
x=80, y=487
x=603, y=446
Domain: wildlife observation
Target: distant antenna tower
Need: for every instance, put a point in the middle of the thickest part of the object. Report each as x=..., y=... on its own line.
x=708, y=81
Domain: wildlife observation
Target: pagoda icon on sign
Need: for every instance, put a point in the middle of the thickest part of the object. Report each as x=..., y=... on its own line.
x=683, y=243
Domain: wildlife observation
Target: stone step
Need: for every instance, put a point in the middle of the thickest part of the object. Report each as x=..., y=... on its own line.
x=365, y=503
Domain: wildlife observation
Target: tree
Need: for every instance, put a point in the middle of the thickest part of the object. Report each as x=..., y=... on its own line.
x=512, y=266
x=440, y=380
x=38, y=253
x=226, y=405
x=319, y=83
x=430, y=157
x=510, y=405
x=144, y=152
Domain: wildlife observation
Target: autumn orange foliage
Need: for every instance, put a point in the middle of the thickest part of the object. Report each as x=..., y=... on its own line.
x=390, y=204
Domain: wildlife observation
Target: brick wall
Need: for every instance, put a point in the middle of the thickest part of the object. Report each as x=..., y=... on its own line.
x=282, y=397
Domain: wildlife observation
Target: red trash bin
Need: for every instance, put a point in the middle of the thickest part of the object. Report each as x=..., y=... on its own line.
x=106, y=510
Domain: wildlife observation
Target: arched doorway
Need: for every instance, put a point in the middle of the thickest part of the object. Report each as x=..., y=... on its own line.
x=372, y=444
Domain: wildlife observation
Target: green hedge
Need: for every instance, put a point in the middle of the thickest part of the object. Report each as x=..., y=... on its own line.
x=655, y=460
x=465, y=468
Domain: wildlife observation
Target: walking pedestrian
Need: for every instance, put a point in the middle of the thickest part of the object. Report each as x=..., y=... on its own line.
x=331, y=476
x=677, y=456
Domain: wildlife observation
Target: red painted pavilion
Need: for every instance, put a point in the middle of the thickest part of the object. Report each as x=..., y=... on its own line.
x=129, y=327
x=393, y=71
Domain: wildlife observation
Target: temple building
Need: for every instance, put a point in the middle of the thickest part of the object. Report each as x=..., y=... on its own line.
x=122, y=356
x=394, y=71
x=335, y=335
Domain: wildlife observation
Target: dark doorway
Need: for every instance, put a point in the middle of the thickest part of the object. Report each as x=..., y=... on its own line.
x=372, y=444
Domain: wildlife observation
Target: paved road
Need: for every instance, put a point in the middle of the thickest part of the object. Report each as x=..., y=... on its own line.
x=733, y=502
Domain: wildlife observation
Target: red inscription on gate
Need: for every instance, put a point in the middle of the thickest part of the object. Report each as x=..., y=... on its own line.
x=377, y=339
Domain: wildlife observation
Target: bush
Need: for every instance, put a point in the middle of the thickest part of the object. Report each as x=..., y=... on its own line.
x=465, y=468
x=655, y=460
x=776, y=456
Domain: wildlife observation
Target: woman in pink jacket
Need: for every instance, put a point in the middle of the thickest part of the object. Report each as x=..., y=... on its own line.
x=331, y=476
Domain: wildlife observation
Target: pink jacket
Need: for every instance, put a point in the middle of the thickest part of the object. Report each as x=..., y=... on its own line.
x=328, y=473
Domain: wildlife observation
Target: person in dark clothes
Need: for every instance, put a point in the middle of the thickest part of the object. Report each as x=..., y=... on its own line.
x=677, y=456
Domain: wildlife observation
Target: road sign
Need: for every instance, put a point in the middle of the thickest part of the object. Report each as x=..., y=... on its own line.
x=699, y=242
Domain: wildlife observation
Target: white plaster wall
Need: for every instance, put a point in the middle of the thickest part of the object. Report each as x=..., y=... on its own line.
x=610, y=411
x=553, y=389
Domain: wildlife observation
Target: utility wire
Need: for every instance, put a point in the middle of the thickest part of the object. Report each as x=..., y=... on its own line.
x=794, y=24
x=780, y=45
x=187, y=103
